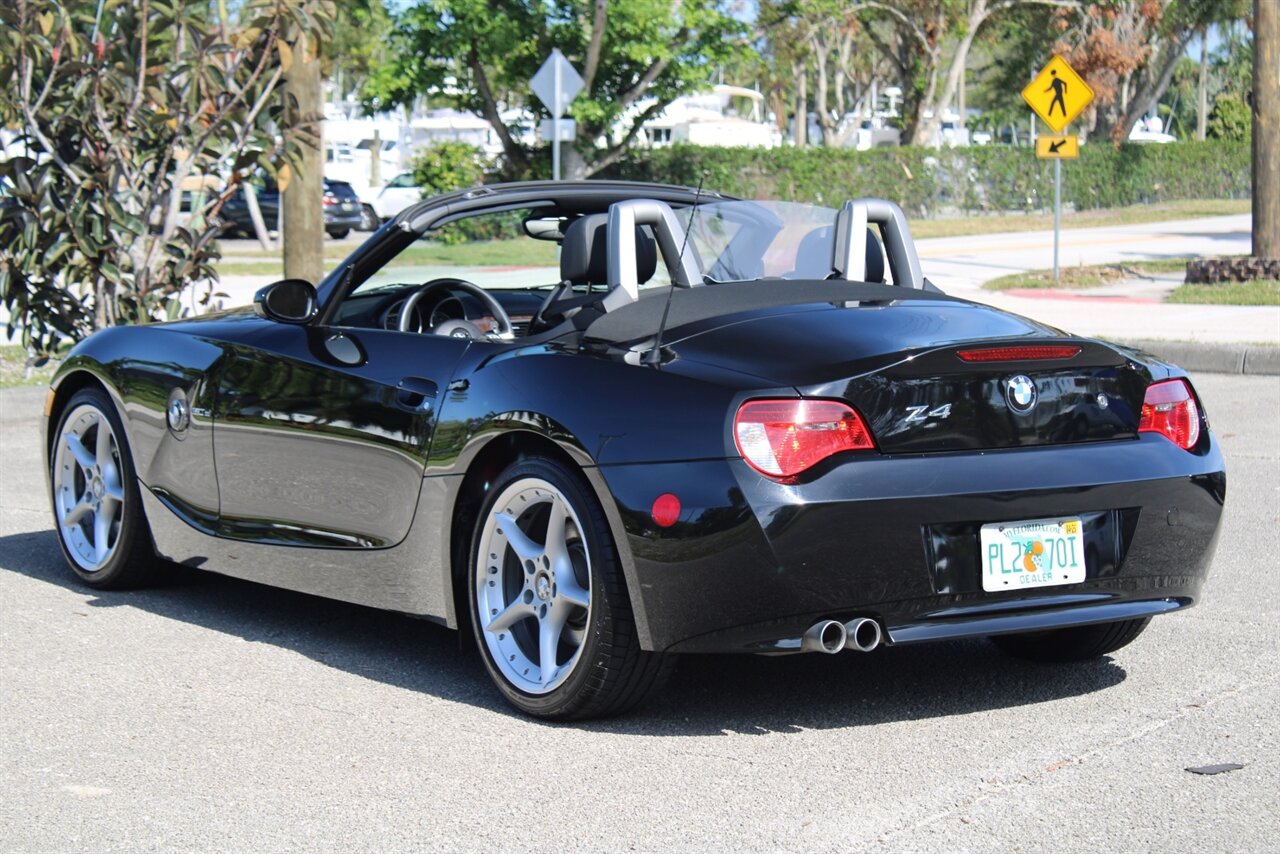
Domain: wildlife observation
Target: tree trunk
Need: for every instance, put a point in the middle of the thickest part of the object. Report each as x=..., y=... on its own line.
x=255, y=216
x=1266, y=129
x=303, y=208
x=801, y=131
x=924, y=128
x=517, y=159
x=955, y=74
x=1153, y=88
x=1202, y=86
x=573, y=167
x=821, y=95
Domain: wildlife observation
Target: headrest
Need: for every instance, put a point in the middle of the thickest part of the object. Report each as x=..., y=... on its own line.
x=814, y=256
x=584, y=252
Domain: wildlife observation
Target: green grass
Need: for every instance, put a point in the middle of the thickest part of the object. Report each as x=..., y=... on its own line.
x=999, y=222
x=1087, y=277
x=13, y=368
x=484, y=253
x=1260, y=292
x=258, y=268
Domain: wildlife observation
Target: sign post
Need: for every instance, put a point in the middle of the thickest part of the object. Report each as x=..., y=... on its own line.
x=1057, y=95
x=556, y=84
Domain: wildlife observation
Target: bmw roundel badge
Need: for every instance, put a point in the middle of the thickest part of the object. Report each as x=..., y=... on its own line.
x=1020, y=392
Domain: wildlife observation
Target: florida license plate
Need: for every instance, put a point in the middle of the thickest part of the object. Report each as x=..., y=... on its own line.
x=1033, y=553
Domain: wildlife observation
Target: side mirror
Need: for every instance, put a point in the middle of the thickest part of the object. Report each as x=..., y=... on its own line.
x=286, y=301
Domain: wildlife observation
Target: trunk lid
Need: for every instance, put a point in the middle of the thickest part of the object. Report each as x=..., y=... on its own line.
x=900, y=366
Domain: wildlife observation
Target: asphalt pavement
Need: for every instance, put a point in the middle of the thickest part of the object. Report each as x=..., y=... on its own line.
x=215, y=714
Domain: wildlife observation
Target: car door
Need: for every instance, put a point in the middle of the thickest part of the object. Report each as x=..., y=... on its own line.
x=321, y=433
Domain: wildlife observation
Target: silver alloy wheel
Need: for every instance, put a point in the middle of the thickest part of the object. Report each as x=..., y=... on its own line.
x=88, y=492
x=533, y=585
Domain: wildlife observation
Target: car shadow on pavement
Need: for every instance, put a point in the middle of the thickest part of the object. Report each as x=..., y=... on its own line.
x=707, y=695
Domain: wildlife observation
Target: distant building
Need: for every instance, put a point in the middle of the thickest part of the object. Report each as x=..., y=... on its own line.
x=727, y=116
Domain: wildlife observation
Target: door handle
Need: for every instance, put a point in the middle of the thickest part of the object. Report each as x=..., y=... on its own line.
x=416, y=393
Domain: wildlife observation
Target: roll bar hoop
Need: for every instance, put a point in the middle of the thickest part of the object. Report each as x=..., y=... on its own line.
x=850, y=260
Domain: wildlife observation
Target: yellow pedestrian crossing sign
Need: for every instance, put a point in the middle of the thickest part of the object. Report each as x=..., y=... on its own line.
x=1057, y=94
x=1058, y=147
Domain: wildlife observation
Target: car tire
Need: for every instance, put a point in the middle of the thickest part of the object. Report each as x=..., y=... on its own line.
x=1077, y=643
x=97, y=508
x=368, y=219
x=556, y=576
x=339, y=233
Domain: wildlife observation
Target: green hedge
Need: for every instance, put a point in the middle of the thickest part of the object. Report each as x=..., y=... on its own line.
x=926, y=181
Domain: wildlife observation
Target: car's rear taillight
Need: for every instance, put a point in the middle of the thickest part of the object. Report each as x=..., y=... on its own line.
x=329, y=199
x=1169, y=409
x=782, y=438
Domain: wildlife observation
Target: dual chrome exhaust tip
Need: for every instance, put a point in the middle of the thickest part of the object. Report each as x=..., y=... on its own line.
x=831, y=636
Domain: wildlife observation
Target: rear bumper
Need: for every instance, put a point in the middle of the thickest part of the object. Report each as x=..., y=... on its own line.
x=752, y=561
x=338, y=220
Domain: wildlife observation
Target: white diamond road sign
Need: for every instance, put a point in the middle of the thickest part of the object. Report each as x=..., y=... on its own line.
x=557, y=83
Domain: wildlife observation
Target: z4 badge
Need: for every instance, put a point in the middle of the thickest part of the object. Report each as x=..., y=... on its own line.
x=924, y=413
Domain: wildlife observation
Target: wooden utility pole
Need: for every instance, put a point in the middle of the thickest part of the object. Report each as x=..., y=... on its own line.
x=303, y=227
x=1266, y=129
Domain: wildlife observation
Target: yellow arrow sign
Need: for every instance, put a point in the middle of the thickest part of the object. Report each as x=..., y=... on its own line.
x=1057, y=94
x=1058, y=147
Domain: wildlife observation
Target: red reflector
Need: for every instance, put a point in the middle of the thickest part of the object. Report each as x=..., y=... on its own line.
x=1018, y=354
x=665, y=510
x=784, y=437
x=1170, y=409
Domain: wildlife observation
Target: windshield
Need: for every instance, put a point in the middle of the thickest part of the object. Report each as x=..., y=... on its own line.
x=744, y=241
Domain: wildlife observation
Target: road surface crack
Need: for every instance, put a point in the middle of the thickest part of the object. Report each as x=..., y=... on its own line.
x=997, y=788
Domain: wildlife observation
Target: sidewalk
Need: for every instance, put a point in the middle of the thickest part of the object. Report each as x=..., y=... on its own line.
x=1219, y=338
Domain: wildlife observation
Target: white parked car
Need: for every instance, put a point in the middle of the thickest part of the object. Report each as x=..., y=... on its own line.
x=400, y=192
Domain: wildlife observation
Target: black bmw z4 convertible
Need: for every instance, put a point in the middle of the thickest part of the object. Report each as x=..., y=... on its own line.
x=648, y=420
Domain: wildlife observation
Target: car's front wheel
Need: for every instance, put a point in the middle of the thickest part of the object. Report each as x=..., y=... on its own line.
x=1076, y=643
x=96, y=505
x=549, y=604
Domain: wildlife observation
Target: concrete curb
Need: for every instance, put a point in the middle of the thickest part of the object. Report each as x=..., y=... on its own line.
x=1214, y=358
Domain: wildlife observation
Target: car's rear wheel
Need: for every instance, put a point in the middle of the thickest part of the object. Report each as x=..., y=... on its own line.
x=1076, y=643
x=339, y=233
x=368, y=219
x=96, y=505
x=549, y=604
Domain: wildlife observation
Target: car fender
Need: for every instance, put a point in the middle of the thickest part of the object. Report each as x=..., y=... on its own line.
x=596, y=412
x=176, y=463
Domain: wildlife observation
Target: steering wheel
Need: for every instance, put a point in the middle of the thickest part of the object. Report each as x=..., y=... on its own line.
x=458, y=328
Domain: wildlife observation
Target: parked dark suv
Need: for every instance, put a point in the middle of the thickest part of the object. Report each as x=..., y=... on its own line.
x=341, y=208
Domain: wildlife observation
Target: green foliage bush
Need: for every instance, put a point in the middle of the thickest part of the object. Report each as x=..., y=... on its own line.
x=122, y=111
x=446, y=166
x=926, y=181
x=1230, y=119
